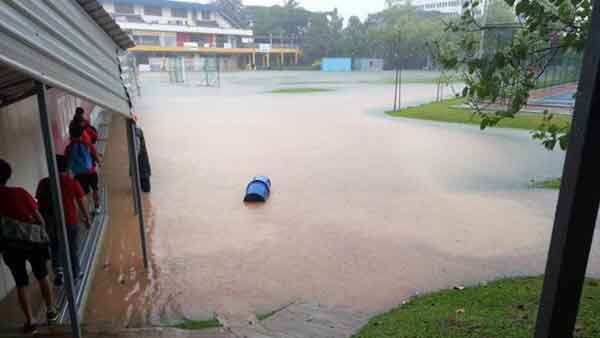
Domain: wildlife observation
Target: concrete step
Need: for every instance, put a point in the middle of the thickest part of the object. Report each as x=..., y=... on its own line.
x=99, y=332
x=305, y=320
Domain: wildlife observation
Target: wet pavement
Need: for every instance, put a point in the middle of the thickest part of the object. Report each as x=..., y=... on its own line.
x=366, y=210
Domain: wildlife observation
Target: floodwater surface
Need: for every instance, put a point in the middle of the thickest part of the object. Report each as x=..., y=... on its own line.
x=365, y=211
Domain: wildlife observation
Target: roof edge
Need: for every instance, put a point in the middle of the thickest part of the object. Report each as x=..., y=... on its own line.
x=107, y=23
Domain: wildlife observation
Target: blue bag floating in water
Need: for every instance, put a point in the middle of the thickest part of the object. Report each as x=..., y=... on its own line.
x=258, y=189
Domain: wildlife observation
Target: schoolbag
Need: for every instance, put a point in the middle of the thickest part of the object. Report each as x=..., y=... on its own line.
x=80, y=159
x=17, y=235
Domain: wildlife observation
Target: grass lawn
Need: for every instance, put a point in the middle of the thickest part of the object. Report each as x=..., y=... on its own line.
x=546, y=184
x=503, y=309
x=266, y=316
x=194, y=325
x=299, y=90
x=411, y=81
x=443, y=112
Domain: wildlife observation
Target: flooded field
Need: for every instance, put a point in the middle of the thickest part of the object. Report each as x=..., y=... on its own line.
x=366, y=210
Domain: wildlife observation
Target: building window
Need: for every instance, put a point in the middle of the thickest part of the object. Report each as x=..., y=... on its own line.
x=124, y=8
x=179, y=12
x=147, y=40
x=205, y=15
x=152, y=10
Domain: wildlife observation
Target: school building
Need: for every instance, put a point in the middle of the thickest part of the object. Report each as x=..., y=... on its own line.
x=196, y=29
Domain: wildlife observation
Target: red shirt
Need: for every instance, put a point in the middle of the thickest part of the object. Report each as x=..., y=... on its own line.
x=17, y=203
x=71, y=192
x=86, y=137
x=90, y=135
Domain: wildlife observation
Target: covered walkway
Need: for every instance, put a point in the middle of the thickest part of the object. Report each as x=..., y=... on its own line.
x=54, y=57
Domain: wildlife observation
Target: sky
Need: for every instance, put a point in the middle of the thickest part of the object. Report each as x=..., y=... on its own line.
x=347, y=8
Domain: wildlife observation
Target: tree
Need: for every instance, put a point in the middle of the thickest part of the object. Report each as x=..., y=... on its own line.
x=324, y=36
x=416, y=27
x=290, y=19
x=356, y=40
x=547, y=30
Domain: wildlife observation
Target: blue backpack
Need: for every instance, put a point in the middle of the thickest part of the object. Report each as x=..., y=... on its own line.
x=80, y=159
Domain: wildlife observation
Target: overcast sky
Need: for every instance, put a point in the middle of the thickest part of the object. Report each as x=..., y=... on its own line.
x=347, y=8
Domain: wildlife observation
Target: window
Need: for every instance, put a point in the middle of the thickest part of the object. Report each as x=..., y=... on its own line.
x=179, y=12
x=152, y=10
x=205, y=15
x=168, y=40
x=124, y=8
x=147, y=40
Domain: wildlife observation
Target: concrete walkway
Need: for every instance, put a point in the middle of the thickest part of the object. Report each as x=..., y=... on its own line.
x=298, y=320
x=302, y=320
x=99, y=332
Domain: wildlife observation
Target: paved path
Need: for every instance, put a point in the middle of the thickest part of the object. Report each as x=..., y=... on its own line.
x=298, y=320
x=301, y=320
x=97, y=332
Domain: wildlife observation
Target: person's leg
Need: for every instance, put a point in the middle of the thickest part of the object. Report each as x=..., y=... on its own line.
x=56, y=253
x=16, y=262
x=57, y=256
x=85, y=185
x=96, y=199
x=73, y=234
x=25, y=304
x=39, y=260
x=46, y=292
x=94, y=185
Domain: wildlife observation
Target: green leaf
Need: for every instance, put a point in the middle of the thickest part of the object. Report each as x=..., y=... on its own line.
x=564, y=141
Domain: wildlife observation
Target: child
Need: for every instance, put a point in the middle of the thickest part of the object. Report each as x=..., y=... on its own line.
x=90, y=134
x=81, y=158
x=18, y=204
x=72, y=195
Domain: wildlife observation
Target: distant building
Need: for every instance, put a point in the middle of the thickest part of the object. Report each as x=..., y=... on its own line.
x=195, y=29
x=367, y=65
x=336, y=64
x=451, y=7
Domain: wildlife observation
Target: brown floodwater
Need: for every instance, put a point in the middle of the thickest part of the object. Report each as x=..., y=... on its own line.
x=366, y=210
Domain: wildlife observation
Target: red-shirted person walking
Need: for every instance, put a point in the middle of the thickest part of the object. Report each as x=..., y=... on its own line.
x=73, y=199
x=90, y=134
x=16, y=203
x=81, y=160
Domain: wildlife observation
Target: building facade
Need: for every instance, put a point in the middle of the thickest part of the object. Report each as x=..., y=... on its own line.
x=195, y=29
x=450, y=7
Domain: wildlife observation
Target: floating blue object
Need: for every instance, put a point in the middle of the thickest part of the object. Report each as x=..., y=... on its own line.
x=258, y=189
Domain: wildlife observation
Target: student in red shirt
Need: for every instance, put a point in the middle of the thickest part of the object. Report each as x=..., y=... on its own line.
x=90, y=134
x=82, y=158
x=73, y=197
x=18, y=204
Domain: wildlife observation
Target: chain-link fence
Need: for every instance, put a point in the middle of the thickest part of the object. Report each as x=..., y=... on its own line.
x=561, y=70
x=199, y=71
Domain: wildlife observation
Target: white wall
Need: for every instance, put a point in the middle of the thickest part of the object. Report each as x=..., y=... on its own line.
x=221, y=21
x=21, y=143
x=22, y=146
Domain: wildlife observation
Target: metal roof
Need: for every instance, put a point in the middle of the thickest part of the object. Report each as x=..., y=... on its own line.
x=107, y=23
x=69, y=44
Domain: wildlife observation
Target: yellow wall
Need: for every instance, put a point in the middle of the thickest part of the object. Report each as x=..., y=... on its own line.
x=234, y=51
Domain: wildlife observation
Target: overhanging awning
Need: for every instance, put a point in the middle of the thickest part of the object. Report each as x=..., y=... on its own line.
x=67, y=44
